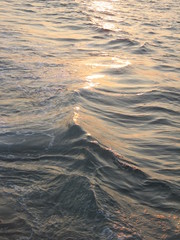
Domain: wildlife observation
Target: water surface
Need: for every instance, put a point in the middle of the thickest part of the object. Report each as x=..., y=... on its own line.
x=89, y=119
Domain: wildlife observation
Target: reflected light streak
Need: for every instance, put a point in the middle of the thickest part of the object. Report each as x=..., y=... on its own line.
x=105, y=24
x=106, y=19
x=76, y=115
x=109, y=26
x=90, y=83
x=116, y=63
x=102, y=6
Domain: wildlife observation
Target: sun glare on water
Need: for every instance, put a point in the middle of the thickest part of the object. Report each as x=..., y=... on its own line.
x=102, y=6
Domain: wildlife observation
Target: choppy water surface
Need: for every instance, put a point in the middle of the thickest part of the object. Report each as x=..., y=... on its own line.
x=89, y=119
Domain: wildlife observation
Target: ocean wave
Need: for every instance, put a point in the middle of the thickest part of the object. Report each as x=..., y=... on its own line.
x=89, y=119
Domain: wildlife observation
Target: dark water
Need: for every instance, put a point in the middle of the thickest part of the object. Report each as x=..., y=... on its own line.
x=89, y=120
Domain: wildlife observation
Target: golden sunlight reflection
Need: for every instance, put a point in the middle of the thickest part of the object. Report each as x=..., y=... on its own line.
x=104, y=15
x=90, y=80
x=107, y=20
x=105, y=23
x=114, y=63
x=102, y=6
x=93, y=72
x=76, y=115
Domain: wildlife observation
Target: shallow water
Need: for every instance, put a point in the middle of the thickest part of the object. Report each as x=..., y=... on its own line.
x=89, y=119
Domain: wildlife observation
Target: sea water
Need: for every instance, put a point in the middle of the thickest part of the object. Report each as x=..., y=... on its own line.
x=89, y=119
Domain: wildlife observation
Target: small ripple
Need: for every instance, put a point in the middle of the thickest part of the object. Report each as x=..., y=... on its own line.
x=123, y=41
x=157, y=109
x=143, y=49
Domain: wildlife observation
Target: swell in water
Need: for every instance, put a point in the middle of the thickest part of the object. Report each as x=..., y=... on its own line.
x=89, y=142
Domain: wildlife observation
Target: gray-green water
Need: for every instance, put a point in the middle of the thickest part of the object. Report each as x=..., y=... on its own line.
x=89, y=120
